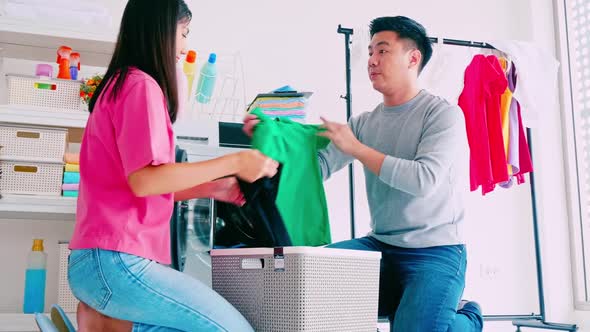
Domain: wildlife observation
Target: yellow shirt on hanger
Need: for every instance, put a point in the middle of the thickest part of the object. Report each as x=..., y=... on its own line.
x=505, y=101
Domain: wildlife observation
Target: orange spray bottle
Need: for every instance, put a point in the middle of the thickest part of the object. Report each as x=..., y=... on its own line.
x=63, y=60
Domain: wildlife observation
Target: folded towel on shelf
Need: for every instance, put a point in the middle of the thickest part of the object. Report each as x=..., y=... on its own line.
x=70, y=193
x=72, y=168
x=72, y=158
x=70, y=186
x=71, y=177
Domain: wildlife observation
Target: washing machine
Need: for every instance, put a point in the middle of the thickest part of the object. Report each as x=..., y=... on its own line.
x=194, y=222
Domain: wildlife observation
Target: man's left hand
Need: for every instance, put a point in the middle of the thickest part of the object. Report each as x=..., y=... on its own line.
x=341, y=135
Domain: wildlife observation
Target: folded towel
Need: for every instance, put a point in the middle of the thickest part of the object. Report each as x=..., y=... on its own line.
x=70, y=186
x=70, y=193
x=72, y=168
x=71, y=177
x=72, y=158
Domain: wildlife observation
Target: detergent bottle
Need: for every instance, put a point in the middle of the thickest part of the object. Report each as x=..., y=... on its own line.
x=188, y=68
x=74, y=65
x=207, y=80
x=34, y=298
x=63, y=60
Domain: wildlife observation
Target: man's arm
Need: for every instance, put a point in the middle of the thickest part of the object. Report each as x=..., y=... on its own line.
x=331, y=160
x=443, y=140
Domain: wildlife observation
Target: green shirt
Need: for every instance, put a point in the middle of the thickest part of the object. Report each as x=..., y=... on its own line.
x=301, y=199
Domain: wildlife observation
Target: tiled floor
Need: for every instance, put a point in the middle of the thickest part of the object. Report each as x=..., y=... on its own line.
x=488, y=327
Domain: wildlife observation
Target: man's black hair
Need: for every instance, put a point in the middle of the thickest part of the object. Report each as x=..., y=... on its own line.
x=407, y=29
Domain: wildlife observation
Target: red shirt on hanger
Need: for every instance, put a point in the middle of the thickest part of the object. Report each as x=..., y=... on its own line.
x=484, y=83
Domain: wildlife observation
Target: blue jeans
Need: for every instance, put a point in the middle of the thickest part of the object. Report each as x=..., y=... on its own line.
x=420, y=289
x=155, y=297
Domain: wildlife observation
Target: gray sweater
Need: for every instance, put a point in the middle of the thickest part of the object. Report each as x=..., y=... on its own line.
x=416, y=200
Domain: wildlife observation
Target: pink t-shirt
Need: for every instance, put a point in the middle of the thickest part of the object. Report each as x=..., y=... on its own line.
x=121, y=137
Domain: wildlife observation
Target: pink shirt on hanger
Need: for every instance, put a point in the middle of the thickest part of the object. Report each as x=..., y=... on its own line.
x=123, y=136
x=483, y=82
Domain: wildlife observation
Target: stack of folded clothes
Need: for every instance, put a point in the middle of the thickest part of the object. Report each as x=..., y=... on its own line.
x=71, y=181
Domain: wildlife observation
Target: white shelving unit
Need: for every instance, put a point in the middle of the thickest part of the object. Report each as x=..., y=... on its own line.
x=32, y=41
x=26, y=40
x=42, y=117
x=46, y=207
x=37, y=206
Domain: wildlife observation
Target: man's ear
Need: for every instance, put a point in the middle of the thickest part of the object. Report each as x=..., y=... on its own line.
x=415, y=58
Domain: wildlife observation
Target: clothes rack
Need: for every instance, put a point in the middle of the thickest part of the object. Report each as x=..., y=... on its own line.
x=347, y=32
x=533, y=320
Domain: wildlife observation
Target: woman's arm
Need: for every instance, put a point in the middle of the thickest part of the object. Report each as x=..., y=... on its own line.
x=248, y=165
x=224, y=189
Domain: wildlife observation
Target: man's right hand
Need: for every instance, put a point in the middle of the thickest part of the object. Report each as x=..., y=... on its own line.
x=250, y=121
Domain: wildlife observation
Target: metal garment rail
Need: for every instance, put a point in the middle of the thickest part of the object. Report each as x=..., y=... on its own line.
x=532, y=320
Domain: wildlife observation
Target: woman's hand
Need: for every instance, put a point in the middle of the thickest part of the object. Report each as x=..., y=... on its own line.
x=253, y=165
x=227, y=190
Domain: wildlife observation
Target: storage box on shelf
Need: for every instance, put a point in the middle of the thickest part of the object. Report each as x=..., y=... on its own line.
x=52, y=94
x=32, y=143
x=31, y=160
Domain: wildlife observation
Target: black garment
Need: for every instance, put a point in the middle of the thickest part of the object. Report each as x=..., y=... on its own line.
x=256, y=224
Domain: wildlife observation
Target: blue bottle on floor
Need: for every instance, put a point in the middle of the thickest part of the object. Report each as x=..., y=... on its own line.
x=35, y=275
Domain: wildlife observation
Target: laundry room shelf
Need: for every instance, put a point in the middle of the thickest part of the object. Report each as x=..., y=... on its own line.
x=44, y=207
x=39, y=42
x=22, y=322
x=29, y=115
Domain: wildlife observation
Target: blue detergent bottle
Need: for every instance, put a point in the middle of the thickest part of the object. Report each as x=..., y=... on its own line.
x=34, y=300
x=207, y=79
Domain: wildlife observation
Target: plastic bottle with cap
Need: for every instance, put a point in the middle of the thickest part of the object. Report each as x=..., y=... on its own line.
x=35, y=275
x=74, y=65
x=63, y=59
x=207, y=80
x=189, y=70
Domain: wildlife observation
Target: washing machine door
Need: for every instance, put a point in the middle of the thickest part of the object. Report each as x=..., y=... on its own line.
x=178, y=225
x=199, y=240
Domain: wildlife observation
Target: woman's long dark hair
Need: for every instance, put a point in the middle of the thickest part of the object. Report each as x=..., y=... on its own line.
x=147, y=40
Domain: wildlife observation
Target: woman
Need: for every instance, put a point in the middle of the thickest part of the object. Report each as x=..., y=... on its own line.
x=129, y=181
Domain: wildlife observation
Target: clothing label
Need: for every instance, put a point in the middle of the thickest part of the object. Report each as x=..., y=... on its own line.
x=279, y=263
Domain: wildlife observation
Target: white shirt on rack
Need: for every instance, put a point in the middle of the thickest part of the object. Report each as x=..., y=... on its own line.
x=445, y=72
x=536, y=82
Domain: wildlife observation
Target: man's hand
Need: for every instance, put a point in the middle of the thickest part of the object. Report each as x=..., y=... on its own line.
x=250, y=121
x=341, y=135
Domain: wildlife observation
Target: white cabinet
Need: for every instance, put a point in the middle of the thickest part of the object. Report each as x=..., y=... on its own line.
x=52, y=218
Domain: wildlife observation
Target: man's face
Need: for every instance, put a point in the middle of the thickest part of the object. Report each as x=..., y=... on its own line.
x=391, y=61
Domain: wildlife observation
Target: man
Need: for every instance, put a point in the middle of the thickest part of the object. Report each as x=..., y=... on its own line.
x=414, y=149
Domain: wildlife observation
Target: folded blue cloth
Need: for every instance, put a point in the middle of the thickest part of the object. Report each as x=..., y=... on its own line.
x=71, y=177
x=70, y=193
